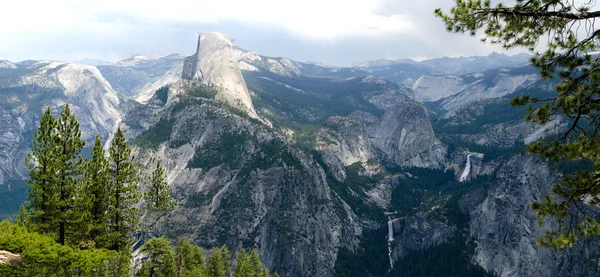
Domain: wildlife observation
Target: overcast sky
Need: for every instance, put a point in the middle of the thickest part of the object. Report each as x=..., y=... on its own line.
x=338, y=32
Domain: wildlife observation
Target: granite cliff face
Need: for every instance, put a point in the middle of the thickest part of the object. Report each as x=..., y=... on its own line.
x=241, y=183
x=403, y=135
x=505, y=228
x=139, y=76
x=214, y=64
x=251, y=61
x=343, y=141
x=430, y=88
x=25, y=90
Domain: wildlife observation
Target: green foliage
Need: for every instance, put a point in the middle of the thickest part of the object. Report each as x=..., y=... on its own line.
x=201, y=90
x=54, y=165
x=155, y=135
x=412, y=193
x=570, y=58
x=43, y=199
x=162, y=94
x=160, y=259
x=123, y=195
x=69, y=165
x=451, y=259
x=42, y=256
x=218, y=262
x=158, y=197
x=226, y=149
x=93, y=199
x=370, y=259
x=22, y=218
x=274, y=152
x=318, y=99
x=190, y=259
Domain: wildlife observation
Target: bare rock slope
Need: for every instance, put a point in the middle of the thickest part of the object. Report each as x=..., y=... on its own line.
x=215, y=64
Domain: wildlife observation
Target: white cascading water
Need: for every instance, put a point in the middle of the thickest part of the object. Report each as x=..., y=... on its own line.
x=465, y=173
x=390, y=231
x=390, y=239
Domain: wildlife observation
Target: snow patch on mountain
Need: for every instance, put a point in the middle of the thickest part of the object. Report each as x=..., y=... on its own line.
x=7, y=64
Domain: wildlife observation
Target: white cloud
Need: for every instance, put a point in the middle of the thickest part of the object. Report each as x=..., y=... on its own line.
x=318, y=19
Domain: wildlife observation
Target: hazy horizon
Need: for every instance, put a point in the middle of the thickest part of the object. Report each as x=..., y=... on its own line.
x=333, y=32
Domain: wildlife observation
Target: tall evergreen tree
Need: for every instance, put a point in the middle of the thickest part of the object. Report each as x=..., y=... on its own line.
x=255, y=264
x=160, y=260
x=123, y=194
x=43, y=199
x=243, y=266
x=190, y=259
x=218, y=262
x=158, y=197
x=69, y=166
x=22, y=217
x=93, y=198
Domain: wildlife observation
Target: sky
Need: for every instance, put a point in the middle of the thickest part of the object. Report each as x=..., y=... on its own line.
x=337, y=32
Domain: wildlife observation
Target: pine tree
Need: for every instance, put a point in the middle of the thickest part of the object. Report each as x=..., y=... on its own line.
x=254, y=260
x=218, y=262
x=22, y=218
x=123, y=194
x=158, y=197
x=160, y=259
x=190, y=259
x=43, y=199
x=69, y=166
x=263, y=272
x=243, y=266
x=93, y=199
x=570, y=58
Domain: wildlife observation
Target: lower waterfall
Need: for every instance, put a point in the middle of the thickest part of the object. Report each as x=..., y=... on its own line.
x=390, y=239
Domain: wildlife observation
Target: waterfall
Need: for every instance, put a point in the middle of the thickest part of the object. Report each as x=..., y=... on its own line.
x=390, y=255
x=390, y=239
x=465, y=173
x=390, y=231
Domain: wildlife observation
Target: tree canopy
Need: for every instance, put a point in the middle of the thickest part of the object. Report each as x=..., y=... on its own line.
x=563, y=37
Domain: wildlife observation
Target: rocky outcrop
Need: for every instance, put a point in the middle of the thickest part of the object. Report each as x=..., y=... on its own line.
x=368, y=118
x=215, y=65
x=418, y=232
x=403, y=135
x=251, y=61
x=139, y=76
x=430, y=88
x=505, y=228
x=385, y=94
x=241, y=183
x=343, y=141
x=9, y=258
x=27, y=88
x=487, y=85
x=477, y=165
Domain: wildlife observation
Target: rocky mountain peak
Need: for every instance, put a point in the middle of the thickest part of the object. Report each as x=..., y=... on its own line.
x=404, y=136
x=214, y=63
